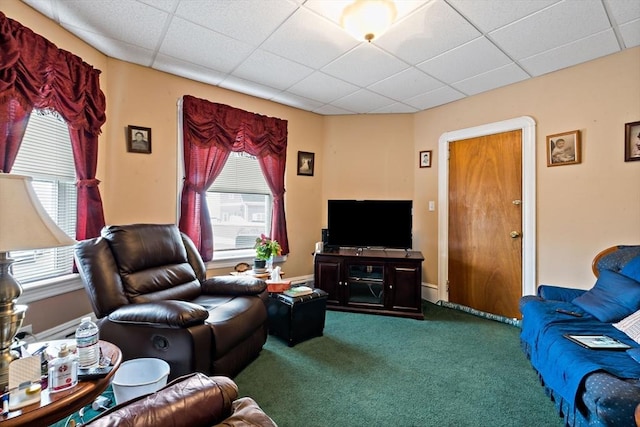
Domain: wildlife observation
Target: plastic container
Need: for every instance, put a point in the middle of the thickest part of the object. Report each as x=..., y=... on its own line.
x=137, y=377
x=87, y=336
x=63, y=371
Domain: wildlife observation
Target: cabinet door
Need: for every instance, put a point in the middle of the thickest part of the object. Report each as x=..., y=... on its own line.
x=327, y=278
x=364, y=285
x=403, y=286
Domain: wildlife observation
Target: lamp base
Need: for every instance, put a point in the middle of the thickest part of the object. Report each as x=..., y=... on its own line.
x=10, y=322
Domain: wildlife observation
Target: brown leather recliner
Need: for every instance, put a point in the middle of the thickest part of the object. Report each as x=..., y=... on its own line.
x=148, y=287
x=195, y=400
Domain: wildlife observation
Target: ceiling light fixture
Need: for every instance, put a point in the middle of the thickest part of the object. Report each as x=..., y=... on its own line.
x=368, y=19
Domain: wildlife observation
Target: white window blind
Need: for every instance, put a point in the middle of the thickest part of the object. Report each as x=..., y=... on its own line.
x=45, y=155
x=239, y=204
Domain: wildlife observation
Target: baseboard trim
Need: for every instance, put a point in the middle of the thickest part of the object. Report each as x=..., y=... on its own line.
x=490, y=316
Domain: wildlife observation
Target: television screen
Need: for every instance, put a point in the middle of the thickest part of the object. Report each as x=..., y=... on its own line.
x=370, y=223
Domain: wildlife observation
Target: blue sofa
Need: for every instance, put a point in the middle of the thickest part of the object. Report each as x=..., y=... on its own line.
x=589, y=387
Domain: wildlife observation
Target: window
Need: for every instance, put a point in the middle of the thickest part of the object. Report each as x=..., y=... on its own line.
x=239, y=204
x=45, y=154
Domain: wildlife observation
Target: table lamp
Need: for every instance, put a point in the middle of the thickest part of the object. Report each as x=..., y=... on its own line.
x=24, y=225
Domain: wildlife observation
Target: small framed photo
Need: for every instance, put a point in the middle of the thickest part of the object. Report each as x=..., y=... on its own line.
x=306, y=163
x=425, y=159
x=138, y=139
x=632, y=142
x=563, y=148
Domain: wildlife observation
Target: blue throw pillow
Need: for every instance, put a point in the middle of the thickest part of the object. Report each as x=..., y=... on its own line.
x=613, y=297
x=632, y=269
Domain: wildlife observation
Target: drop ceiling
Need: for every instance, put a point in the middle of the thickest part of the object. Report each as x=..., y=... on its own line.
x=294, y=52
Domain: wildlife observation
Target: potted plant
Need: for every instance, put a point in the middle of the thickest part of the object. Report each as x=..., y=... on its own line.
x=266, y=249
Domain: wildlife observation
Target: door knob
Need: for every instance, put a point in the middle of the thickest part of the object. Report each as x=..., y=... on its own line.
x=517, y=202
x=514, y=234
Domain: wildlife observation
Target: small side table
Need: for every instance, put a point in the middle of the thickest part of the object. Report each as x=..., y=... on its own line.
x=296, y=319
x=55, y=406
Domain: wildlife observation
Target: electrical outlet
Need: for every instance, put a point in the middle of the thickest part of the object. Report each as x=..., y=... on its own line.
x=27, y=329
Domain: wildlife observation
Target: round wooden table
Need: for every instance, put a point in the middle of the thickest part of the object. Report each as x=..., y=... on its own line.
x=55, y=406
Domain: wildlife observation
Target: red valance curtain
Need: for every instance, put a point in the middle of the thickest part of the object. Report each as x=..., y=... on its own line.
x=34, y=73
x=210, y=132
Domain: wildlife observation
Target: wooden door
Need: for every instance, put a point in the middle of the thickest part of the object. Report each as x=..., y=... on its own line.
x=485, y=223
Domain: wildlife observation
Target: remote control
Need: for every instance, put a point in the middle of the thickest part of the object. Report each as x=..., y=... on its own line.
x=88, y=374
x=569, y=312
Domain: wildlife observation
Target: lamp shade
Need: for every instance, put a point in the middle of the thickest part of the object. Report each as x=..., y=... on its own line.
x=368, y=19
x=24, y=223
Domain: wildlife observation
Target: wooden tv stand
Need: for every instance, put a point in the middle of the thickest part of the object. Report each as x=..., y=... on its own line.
x=375, y=281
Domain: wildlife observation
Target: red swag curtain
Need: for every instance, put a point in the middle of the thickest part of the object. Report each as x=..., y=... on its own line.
x=34, y=73
x=210, y=132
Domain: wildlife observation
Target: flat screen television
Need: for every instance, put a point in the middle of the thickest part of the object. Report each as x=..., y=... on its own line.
x=370, y=223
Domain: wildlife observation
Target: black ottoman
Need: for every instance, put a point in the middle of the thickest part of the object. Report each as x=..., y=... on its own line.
x=296, y=319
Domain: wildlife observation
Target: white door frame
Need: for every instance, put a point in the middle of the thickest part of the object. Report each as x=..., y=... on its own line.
x=528, y=127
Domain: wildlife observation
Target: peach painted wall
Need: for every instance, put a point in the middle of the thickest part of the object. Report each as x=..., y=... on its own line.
x=144, y=187
x=581, y=209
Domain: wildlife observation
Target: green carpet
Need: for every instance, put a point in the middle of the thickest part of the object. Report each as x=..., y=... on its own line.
x=452, y=369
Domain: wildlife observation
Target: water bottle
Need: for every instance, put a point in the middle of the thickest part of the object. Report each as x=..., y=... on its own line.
x=87, y=344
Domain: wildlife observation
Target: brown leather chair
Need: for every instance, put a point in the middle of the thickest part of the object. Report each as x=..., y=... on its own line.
x=148, y=287
x=195, y=400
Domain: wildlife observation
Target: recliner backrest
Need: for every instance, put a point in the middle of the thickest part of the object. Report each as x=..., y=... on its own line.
x=138, y=263
x=152, y=262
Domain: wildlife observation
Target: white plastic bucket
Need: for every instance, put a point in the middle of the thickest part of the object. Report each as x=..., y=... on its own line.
x=137, y=377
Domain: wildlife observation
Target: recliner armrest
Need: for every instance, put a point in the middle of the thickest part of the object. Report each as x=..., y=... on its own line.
x=233, y=285
x=168, y=314
x=559, y=293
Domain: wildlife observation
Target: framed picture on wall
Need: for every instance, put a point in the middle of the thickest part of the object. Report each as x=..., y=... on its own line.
x=425, y=159
x=563, y=148
x=138, y=139
x=632, y=142
x=305, y=163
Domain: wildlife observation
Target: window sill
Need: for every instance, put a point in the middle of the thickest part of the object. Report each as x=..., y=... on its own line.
x=42, y=289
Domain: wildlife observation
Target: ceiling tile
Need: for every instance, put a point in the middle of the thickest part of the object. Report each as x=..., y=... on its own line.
x=250, y=88
x=491, y=80
x=166, y=5
x=578, y=52
x=333, y=9
x=554, y=26
x=307, y=32
x=288, y=98
x=115, y=48
x=624, y=11
x=268, y=69
x=364, y=65
x=440, y=96
x=125, y=20
x=476, y=57
x=322, y=87
x=191, y=71
x=193, y=43
x=356, y=100
x=395, y=108
x=489, y=16
x=631, y=33
x=405, y=84
x=331, y=110
x=420, y=36
x=230, y=17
